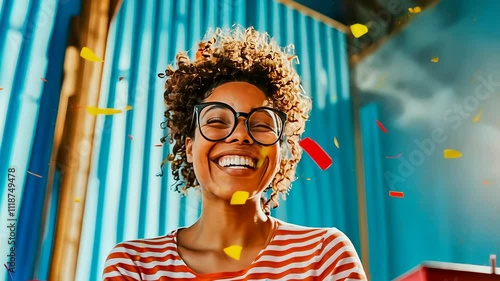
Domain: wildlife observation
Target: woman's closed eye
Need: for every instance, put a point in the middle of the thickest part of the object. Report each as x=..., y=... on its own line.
x=216, y=121
x=263, y=127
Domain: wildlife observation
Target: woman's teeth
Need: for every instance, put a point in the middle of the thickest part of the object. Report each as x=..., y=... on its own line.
x=237, y=162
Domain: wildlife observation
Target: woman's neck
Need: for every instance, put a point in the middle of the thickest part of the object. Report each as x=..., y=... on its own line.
x=223, y=226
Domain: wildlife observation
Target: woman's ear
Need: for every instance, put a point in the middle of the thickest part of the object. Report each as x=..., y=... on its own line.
x=189, y=149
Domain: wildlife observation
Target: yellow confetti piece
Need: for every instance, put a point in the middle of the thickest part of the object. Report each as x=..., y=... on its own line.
x=336, y=142
x=263, y=154
x=381, y=81
x=476, y=118
x=77, y=199
x=233, y=251
x=239, y=197
x=106, y=111
x=308, y=179
x=451, y=153
x=87, y=54
x=358, y=30
x=129, y=107
x=435, y=59
x=415, y=10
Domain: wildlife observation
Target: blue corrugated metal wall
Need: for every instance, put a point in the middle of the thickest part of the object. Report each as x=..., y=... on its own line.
x=125, y=199
x=33, y=38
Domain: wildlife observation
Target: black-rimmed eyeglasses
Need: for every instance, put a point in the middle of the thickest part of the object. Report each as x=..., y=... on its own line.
x=217, y=121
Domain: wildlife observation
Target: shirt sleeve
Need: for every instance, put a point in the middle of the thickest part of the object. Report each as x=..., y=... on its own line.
x=120, y=265
x=339, y=260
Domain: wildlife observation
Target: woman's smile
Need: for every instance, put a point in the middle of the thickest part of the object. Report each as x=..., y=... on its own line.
x=238, y=165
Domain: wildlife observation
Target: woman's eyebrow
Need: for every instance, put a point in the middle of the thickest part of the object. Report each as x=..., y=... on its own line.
x=212, y=107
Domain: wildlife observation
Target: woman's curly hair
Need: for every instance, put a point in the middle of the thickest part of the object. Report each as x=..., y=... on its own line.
x=235, y=55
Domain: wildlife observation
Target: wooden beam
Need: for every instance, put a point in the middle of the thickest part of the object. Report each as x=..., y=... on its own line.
x=75, y=131
x=314, y=14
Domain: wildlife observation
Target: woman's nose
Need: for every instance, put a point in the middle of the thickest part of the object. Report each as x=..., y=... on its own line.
x=240, y=134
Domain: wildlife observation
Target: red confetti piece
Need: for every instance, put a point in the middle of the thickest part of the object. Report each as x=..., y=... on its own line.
x=120, y=78
x=395, y=156
x=381, y=127
x=317, y=153
x=44, y=80
x=8, y=270
x=397, y=194
x=486, y=182
x=130, y=137
x=159, y=145
x=1, y=89
x=33, y=174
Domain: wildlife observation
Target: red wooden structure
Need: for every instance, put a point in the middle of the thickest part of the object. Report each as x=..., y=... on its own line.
x=441, y=271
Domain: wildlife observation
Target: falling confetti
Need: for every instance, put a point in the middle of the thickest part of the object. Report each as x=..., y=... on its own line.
x=128, y=107
x=44, y=80
x=33, y=174
x=485, y=182
x=317, y=153
x=476, y=118
x=415, y=10
x=435, y=59
x=159, y=144
x=87, y=54
x=130, y=137
x=233, y=251
x=77, y=199
x=1, y=89
x=336, y=142
x=308, y=179
x=381, y=127
x=381, y=81
x=262, y=158
x=120, y=78
x=395, y=156
x=358, y=30
x=8, y=270
x=450, y=153
x=106, y=111
x=397, y=194
x=239, y=197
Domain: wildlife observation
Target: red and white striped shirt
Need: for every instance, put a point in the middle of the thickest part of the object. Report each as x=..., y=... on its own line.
x=294, y=253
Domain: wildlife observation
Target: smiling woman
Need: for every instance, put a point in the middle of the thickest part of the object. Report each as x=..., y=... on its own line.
x=235, y=116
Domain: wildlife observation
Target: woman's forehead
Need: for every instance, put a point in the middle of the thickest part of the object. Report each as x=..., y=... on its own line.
x=239, y=94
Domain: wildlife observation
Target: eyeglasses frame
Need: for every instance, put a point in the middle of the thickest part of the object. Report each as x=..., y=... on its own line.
x=199, y=107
